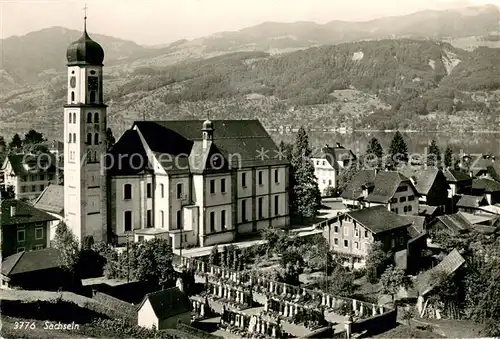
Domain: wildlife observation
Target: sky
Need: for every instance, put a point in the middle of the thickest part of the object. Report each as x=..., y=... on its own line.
x=156, y=22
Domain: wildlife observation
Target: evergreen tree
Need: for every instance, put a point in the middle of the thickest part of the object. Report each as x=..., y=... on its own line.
x=33, y=137
x=16, y=142
x=448, y=157
x=398, y=150
x=66, y=242
x=307, y=196
x=434, y=155
x=110, y=139
x=374, y=150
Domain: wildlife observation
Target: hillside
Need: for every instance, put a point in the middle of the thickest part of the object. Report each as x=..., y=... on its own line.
x=380, y=84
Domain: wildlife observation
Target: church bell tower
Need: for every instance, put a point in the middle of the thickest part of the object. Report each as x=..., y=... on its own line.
x=85, y=141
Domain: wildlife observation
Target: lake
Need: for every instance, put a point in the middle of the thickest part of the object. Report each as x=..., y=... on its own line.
x=474, y=143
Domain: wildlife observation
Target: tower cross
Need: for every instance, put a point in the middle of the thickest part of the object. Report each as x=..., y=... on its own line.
x=85, y=18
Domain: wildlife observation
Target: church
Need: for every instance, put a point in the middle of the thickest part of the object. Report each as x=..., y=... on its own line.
x=193, y=182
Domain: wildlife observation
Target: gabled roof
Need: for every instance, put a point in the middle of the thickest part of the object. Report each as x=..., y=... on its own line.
x=470, y=201
x=453, y=175
x=25, y=164
x=423, y=178
x=25, y=213
x=354, y=190
x=378, y=219
x=51, y=199
x=30, y=261
x=456, y=223
x=416, y=227
x=448, y=266
x=168, y=303
x=486, y=185
x=427, y=210
x=386, y=184
x=120, y=160
x=335, y=154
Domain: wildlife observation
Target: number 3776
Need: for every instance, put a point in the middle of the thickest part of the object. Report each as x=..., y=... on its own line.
x=24, y=325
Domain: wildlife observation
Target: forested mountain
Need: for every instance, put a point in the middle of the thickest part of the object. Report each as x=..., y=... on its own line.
x=377, y=84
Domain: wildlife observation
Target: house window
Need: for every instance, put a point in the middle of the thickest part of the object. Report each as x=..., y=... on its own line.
x=96, y=139
x=33, y=188
x=336, y=241
x=366, y=234
x=70, y=140
x=148, y=190
x=336, y=229
x=42, y=177
x=411, y=198
x=24, y=178
x=72, y=96
x=20, y=249
x=38, y=247
x=89, y=139
x=42, y=187
x=393, y=243
x=260, y=178
x=74, y=137
x=324, y=162
x=51, y=176
x=127, y=191
x=401, y=240
x=179, y=191
x=89, y=118
x=243, y=210
x=402, y=189
x=149, y=219
x=23, y=189
x=70, y=117
x=409, y=208
x=402, y=199
x=356, y=233
x=346, y=231
x=261, y=207
x=21, y=235
x=96, y=118
x=74, y=118
x=162, y=219
x=394, y=200
x=223, y=219
x=212, y=186
x=39, y=233
x=346, y=243
x=140, y=238
x=212, y=221
x=179, y=219
x=276, y=176
x=329, y=182
x=127, y=221
x=162, y=190
x=243, y=179
x=396, y=210
x=223, y=185
x=276, y=205
x=356, y=245
x=405, y=209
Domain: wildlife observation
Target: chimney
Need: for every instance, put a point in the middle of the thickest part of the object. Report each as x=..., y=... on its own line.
x=12, y=211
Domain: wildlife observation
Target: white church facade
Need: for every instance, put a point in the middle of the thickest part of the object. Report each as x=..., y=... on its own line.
x=197, y=183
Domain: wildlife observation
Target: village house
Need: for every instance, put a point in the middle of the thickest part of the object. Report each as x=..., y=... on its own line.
x=23, y=227
x=29, y=174
x=164, y=309
x=388, y=188
x=328, y=163
x=470, y=203
x=449, y=224
x=51, y=200
x=488, y=188
x=35, y=270
x=459, y=182
x=353, y=232
x=203, y=181
x=431, y=185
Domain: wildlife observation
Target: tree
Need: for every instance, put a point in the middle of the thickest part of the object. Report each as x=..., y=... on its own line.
x=376, y=261
x=434, y=155
x=33, y=137
x=342, y=283
x=110, y=138
x=330, y=191
x=392, y=280
x=307, y=196
x=292, y=265
x=214, y=258
x=448, y=157
x=154, y=262
x=408, y=315
x=16, y=142
x=3, y=144
x=286, y=149
x=398, y=150
x=346, y=175
x=66, y=242
x=374, y=151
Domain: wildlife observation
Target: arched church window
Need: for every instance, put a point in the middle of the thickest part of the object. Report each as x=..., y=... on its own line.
x=89, y=118
x=70, y=118
x=89, y=139
x=74, y=118
x=72, y=96
x=95, y=156
x=69, y=138
x=74, y=137
x=92, y=96
x=96, y=118
x=96, y=139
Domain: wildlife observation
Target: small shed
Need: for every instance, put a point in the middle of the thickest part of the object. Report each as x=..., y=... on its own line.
x=164, y=309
